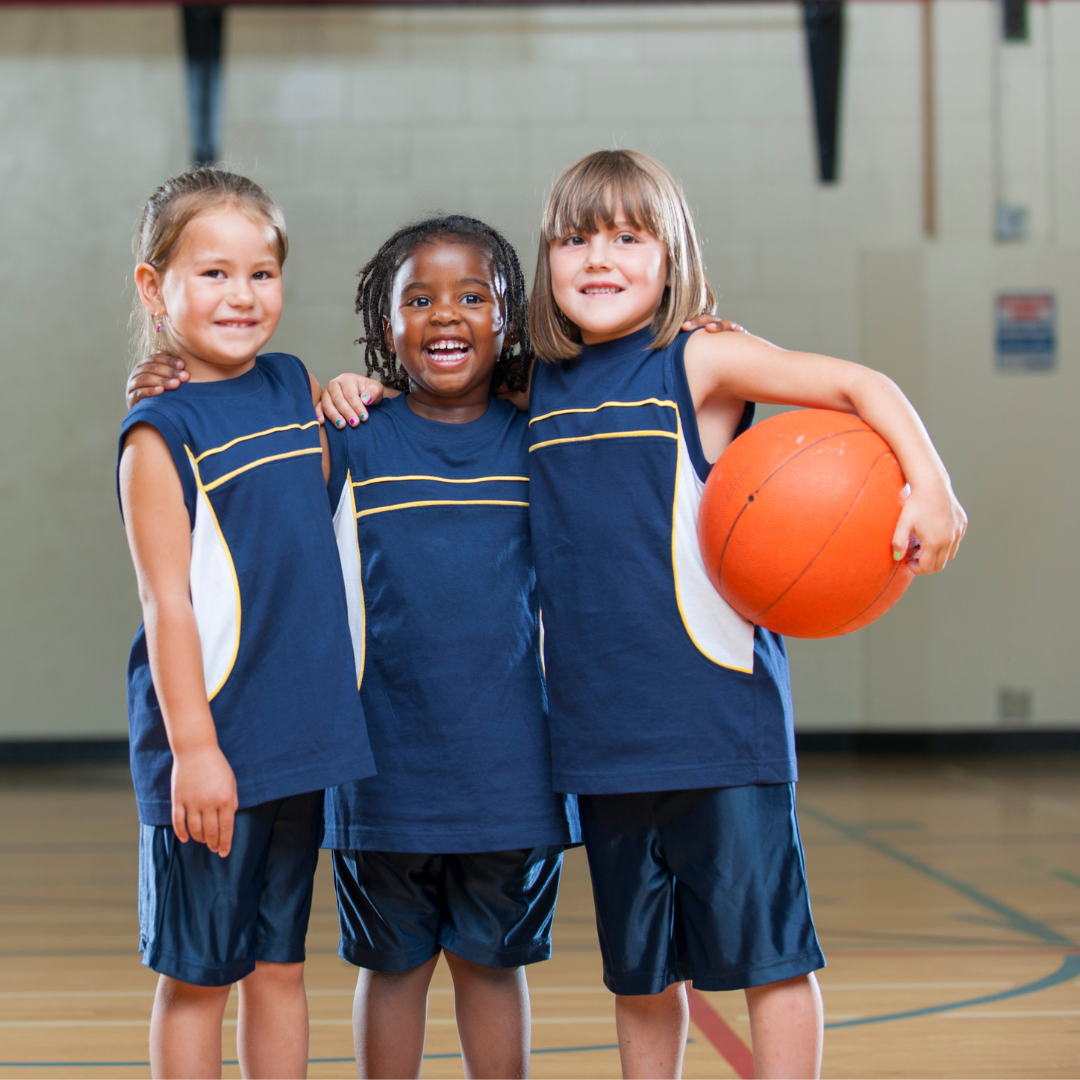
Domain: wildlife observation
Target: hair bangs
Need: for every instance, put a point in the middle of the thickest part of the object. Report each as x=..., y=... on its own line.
x=599, y=197
x=597, y=192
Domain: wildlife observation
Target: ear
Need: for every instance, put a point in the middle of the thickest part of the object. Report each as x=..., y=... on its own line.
x=388, y=335
x=148, y=282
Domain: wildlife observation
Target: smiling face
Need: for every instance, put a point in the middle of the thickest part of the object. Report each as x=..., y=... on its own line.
x=221, y=293
x=446, y=323
x=608, y=283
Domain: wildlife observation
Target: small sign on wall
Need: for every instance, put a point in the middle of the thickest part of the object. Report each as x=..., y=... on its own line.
x=1026, y=332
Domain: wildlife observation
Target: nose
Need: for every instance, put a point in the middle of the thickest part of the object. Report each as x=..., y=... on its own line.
x=598, y=253
x=445, y=311
x=241, y=294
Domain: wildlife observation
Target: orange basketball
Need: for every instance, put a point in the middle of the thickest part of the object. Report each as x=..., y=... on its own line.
x=796, y=524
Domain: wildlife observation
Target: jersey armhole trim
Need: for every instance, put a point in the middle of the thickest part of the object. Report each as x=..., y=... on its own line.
x=204, y=500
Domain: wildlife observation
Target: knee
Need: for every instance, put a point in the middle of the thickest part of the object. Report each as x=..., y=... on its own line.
x=670, y=1000
x=173, y=992
x=466, y=971
x=274, y=978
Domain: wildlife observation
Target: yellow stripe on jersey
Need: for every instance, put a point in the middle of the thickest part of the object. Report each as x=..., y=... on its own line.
x=257, y=435
x=262, y=461
x=606, y=405
x=439, y=479
x=605, y=435
x=441, y=502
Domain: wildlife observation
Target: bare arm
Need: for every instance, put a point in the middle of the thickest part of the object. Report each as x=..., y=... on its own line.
x=727, y=370
x=324, y=442
x=158, y=528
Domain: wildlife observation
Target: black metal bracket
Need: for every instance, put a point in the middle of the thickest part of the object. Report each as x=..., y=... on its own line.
x=203, y=33
x=824, y=20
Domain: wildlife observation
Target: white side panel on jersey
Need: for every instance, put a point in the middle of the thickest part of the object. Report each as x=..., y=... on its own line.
x=718, y=631
x=349, y=554
x=215, y=596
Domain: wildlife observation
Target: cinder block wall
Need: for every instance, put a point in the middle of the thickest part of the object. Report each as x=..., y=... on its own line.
x=361, y=118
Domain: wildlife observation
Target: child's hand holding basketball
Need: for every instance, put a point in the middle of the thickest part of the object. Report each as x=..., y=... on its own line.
x=204, y=800
x=931, y=525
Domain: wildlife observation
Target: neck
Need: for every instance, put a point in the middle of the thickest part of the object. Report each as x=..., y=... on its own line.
x=588, y=337
x=461, y=410
x=201, y=370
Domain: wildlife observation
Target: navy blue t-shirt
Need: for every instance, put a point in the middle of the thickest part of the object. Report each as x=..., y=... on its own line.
x=267, y=591
x=655, y=683
x=432, y=521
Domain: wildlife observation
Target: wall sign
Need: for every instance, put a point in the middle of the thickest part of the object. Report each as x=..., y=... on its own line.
x=1026, y=332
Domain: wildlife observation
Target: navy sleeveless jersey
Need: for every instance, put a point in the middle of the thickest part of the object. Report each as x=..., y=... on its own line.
x=655, y=683
x=432, y=523
x=266, y=587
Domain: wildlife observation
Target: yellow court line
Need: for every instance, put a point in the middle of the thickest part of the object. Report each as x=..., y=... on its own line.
x=257, y=435
x=441, y=502
x=604, y=435
x=262, y=461
x=440, y=479
x=606, y=405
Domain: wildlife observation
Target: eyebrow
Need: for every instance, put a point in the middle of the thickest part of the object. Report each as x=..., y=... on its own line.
x=463, y=281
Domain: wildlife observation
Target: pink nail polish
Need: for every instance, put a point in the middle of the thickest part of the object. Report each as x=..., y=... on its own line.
x=353, y=422
x=366, y=399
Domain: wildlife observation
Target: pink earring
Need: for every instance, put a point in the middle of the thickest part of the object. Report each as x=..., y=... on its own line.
x=160, y=322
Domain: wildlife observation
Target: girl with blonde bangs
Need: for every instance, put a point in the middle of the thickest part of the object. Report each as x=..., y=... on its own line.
x=590, y=194
x=670, y=714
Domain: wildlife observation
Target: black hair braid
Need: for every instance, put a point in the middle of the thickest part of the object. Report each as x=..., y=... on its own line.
x=377, y=285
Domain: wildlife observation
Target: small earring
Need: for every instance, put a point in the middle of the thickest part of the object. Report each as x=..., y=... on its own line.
x=160, y=322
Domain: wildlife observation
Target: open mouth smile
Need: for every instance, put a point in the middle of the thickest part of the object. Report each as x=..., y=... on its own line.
x=447, y=351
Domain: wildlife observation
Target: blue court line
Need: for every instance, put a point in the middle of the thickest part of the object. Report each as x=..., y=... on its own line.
x=1064, y=875
x=1007, y=917
x=311, y=1061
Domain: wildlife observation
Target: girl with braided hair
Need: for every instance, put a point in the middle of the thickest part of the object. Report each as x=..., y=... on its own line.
x=457, y=844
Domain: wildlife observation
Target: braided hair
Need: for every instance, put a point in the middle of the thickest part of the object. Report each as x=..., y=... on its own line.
x=374, y=294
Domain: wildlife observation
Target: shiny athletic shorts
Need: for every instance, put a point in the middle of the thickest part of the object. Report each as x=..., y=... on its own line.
x=707, y=885
x=397, y=909
x=206, y=920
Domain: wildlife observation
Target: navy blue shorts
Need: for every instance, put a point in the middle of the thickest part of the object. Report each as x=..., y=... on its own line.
x=707, y=885
x=398, y=909
x=206, y=920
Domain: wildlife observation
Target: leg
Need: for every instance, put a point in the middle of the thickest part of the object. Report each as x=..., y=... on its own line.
x=652, y=1032
x=389, y=1019
x=787, y=1026
x=272, y=1030
x=494, y=1025
x=185, y=1029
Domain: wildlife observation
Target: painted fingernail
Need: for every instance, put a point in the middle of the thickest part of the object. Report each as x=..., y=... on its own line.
x=363, y=416
x=340, y=423
x=353, y=422
x=366, y=399
x=898, y=555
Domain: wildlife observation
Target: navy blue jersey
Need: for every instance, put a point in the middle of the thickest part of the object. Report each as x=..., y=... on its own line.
x=267, y=591
x=432, y=522
x=655, y=683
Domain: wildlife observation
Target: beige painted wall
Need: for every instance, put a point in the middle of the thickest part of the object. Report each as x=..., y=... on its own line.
x=358, y=119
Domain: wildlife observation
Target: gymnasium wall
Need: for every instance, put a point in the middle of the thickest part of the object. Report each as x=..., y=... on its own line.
x=358, y=119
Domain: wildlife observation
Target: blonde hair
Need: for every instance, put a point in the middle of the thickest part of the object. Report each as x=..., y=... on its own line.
x=170, y=209
x=590, y=195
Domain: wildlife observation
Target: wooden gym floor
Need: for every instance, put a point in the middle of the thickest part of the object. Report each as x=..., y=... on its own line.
x=946, y=893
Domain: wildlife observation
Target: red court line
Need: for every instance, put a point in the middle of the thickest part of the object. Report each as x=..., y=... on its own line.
x=711, y=1024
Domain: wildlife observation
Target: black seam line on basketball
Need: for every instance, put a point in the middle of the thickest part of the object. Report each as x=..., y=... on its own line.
x=839, y=525
x=786, y=461
x=870, y=605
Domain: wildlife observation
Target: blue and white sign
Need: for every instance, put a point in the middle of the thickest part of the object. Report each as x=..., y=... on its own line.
x=1026, y=332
